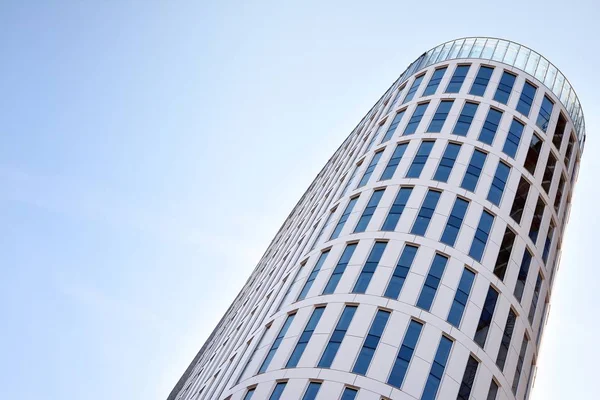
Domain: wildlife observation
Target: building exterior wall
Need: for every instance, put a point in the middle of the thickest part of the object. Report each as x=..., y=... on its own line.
x=229, y=364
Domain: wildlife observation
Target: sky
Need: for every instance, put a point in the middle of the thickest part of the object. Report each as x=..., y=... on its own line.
x=150, y=150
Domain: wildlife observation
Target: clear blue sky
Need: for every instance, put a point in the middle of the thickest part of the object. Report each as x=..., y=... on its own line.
x=149, y=151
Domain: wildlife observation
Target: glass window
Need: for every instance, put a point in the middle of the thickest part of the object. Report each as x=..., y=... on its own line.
x=370, y=344
x=543, y=118
x=425, y=213
x=549, y=172
x=413, y=122
x=349, y=394
x=481, y=81
x=504, y=253
x=464, y=392
x=520, y=199
x=559, y=131
x=312, y=391
x=279, y=388
x=493, y=391
x=454, y=221
x=485, y=319
x=569, y=152
x=465, y=119
x=411, y=337
x=538, y=214
x=258, y=346
x=414, y=171
x=548, y=242
x=390, y=168
x=490, y=126
x=461, y=297
x=533, y=154
x=504, y=87
x=397, y=208
x=374, y=136
x=437, y=369
x=515, y=385
x=522, y=277
x=411, y=92
x=367, y=214
x=276, y=343
x=313, y=275
x=249, y=394
x=439, y=118
x=369, y=268
x=457, y=79
x=351, y=179
x=511, y=145
x=323, y=227
x=506, y=338
x=401, y=272
x=481, y=235
x=343, y=218
x=335, y=341
x=435, y=80
x=536, y=297
x=447, y=162
x=559, y=193
x=392, y=128
x=305, y=337
x=370, y=169
x=526, y=99
x=473, y=170
x=498, y=183
x=432, y=282
x=339, y=269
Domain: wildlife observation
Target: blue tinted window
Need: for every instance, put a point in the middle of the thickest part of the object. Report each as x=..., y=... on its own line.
x=506, y=338
x=437, y=369
x=425, y=213
x=498, y=183
x=533, y=154
x=447, y=162
x=369, y=268
x=513, y=138
x=434, y=82
x=374, y=136
x=312, y=391
x=490, y=126
x=485, y=319
x=370, y=169
x=536, y=222
x=548, y=242
x=337, y=337
x=349, y=394
x=526, y=99
x=454, y=221
x=432, y=282
x=536, y=297
x=473, y=170
x=440, y=116
x=522, y=277
x=481, y=235
x=464, y=391
x=390, y=168
x=276, y=343
x=545, y=112
x=397, y=208
x=370, y=344
x=343, y=218
x=393, y=126
x=465, y=119
x=505, y=87
x=339, y=269
x=411, y=92
x=323, y=227
x=249, y=394
x=414, y=171
x=305, y=337
x=414, y=121
x=401, y=272
x=461, y=297
x=481, y=81
x=457, y=79
x=411, y=337
x=313, y=275
x=365, y=218
x=279, y=388
x=519, y=368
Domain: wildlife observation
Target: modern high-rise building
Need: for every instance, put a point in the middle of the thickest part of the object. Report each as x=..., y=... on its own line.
x=419, y=263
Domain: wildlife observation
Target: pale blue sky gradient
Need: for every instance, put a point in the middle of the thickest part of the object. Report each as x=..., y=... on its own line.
x=149, y=151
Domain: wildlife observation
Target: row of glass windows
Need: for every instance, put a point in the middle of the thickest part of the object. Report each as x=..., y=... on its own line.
x=406, y=350
x=310, y=393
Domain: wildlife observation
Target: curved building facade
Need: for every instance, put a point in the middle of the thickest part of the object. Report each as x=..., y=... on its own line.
x=419, y=263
